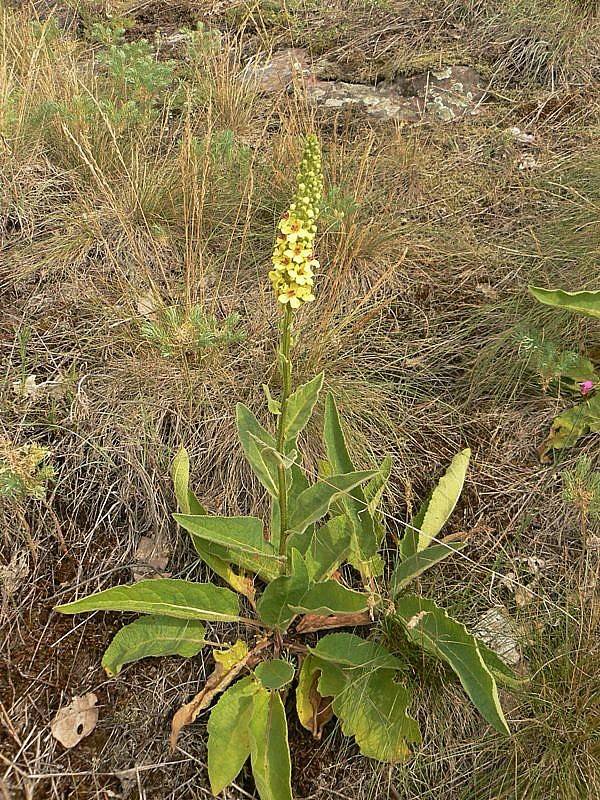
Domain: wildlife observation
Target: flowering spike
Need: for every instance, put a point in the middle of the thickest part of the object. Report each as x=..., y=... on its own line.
x=292, y=276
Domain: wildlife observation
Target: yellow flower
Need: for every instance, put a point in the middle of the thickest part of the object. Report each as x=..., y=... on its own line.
x=289, y=294
x=298, y=253
x=302, y=274
x=293, y=262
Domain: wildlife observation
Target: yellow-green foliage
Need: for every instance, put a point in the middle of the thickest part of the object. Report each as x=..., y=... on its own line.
x=22, y=472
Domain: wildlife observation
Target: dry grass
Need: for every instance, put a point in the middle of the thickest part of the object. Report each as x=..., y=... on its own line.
x=429, y=239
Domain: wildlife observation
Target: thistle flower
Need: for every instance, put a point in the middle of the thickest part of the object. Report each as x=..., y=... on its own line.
x=585, y=387
x=292, y=276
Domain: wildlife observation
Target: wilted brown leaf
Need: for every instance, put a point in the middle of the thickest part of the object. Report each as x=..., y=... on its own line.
x=75, y=721
x=316, y=622
x=322, y=710
x=228, y=665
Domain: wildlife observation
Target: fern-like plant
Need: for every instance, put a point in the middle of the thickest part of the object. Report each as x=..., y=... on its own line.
x=284, y=581
x=177, y=331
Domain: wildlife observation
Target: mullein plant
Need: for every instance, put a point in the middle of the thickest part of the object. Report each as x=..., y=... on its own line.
x=314, y=565
x=584, y=417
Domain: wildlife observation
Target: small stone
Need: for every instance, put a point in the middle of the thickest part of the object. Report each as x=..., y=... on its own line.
x=151, y=559
x=496, y=629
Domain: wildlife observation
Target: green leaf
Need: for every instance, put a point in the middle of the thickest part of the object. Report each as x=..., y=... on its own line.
x=365, y=539
x=273, y=459
x=180, y=472
x=250, y=431
x=324, y=549
x=501, y=671
x=360, y=676
x=313, y=503
x=410, y=540
x=211, y=554
x=300, y=406
x=164, y=596
x=273, y=405
x=330, y=597
x=430, y=626
x=275, y=674
x=241, y=536
x=153, y=636
x=571, y=425
x=376, y=486
x=335, y=441
x=244, y=534
x=273, y=607
x=371, y=707
x=265, y=466
x=229, y=733
x=346, y=649
x=593, y=412
x=413, y=566
x=584, y=302
x=443, y=499
x=269, y=747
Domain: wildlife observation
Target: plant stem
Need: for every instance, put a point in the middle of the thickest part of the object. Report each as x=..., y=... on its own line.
x=286, y=383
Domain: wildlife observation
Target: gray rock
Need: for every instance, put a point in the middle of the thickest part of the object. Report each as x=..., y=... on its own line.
x=446, y=94
x=497, y=630
x=279, y=71
x=381, y=103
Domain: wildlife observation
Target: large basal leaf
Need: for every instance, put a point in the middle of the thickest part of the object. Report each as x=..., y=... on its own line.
x=348, y=650
x=242, y=537
x=275, y=605
x=430, y=626
x=164, y=596
x=300, y=406
x=269, y=748
x=313, y=503
x=212, y=554
x=372, y=707
x=250, y=431
x=229, y=733
x=584, y=302
x=325, y=548
x=153, y=636
x=275, y=674
x=365, y=538
x=330, y=597
x=443, y=499
x=413, y=566
x=360, y=677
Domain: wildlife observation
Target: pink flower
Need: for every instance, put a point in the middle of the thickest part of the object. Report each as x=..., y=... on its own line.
x=585, y=387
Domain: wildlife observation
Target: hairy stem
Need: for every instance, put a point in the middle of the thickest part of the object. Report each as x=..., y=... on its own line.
x=286, y=382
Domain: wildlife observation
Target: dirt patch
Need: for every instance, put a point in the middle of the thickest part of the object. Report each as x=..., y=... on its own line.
x=165, y=19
